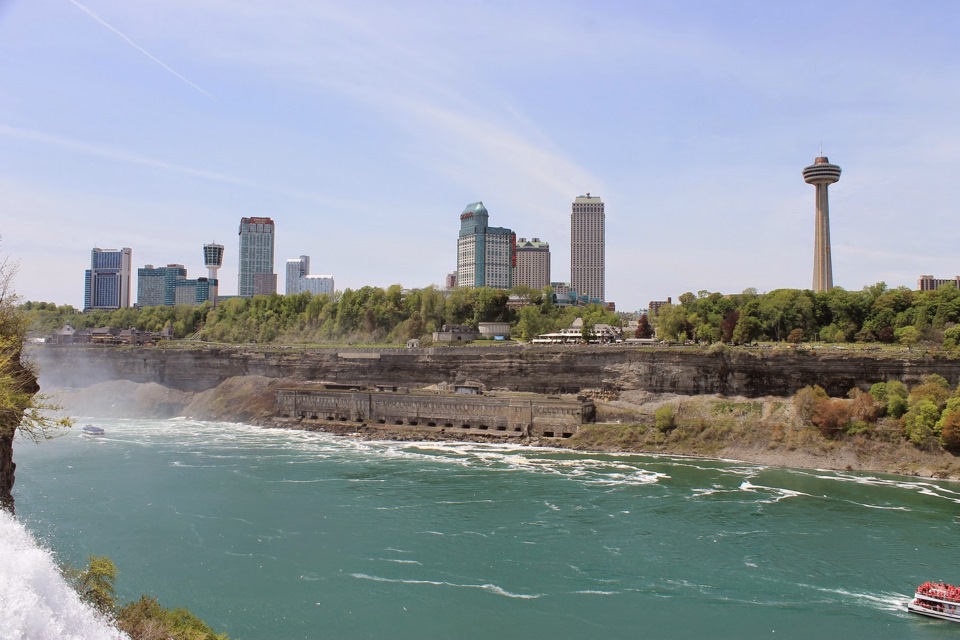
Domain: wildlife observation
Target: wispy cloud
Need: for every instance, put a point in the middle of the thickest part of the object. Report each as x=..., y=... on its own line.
x=133, y=44
x=119, y=155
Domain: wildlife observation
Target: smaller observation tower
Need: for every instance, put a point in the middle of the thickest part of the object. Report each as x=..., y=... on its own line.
x=213, y=260
x=821, y=174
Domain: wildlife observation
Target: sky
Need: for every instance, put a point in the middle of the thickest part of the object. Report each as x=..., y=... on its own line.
x=364, y=129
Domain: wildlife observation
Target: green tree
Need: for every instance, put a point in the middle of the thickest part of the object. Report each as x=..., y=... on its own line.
x=933, y=389
x=907, y=336
x=897, y=395
x=95, y=583
x=671, y=322
x=919, y=423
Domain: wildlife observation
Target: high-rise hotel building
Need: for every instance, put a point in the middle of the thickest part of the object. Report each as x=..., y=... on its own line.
x=157, y=286
x=107, y=281
x=256, y=258
x=297, y=268
x=533, y=264
x=587, y=246
x=300, y=280
x=486, y=256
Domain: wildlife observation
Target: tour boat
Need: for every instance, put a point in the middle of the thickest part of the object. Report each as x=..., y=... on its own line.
x=937, y=600
x=91, y=430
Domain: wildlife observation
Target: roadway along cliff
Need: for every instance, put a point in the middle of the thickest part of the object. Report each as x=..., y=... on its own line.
x=565, y=369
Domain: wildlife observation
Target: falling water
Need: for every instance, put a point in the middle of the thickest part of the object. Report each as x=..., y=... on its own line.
x=36, y=603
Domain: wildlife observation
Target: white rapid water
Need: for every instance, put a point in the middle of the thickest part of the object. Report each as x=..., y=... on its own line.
x=36, y=603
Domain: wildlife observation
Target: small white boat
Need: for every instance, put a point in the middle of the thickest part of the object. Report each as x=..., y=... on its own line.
x=91, y=430
x=937, y=600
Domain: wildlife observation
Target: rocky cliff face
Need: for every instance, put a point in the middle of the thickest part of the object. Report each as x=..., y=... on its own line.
x=566, y=369
x=24, y=380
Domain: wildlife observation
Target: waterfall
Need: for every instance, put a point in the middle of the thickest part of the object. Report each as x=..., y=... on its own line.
x=36, y=603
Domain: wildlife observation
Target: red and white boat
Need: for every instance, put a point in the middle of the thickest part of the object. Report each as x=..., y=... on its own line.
x=937, y=600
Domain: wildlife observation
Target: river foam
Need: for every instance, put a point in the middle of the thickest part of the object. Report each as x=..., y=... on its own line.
x=36, y=601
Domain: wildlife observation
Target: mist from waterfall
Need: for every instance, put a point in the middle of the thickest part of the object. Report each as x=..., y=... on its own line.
x=36, y=603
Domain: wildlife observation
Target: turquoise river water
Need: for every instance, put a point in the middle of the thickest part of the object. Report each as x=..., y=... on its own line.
x=274, y=534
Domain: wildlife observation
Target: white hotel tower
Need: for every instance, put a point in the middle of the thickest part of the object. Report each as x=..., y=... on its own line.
x=587, y=247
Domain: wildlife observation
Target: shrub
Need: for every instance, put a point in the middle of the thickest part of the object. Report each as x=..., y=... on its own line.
x=664, y=419
x=858, y=427
x=949, y=426
x=831, y=417
x=863, y=407
x=145, y=619
x=805, y=402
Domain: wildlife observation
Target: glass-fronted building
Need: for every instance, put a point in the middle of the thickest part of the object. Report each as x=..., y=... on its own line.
x=156, y=286
x=169, y=285
x=107, y=282
x=486, y=256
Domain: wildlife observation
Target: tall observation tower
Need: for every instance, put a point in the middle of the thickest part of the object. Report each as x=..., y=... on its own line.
x=821, y=174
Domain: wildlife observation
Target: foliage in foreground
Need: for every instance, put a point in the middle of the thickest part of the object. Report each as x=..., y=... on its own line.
x=144, y=619
x=23, y=409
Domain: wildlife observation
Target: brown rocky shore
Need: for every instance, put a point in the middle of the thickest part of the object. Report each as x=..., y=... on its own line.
x=758, y=430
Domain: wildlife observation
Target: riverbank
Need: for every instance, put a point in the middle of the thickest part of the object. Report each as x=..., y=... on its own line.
x=761, y=431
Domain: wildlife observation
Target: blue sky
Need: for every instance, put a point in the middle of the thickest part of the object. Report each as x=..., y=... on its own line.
x=364, y=128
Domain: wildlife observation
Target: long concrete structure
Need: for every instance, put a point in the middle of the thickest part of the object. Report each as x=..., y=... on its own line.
x=503, y=414
x=822, y=174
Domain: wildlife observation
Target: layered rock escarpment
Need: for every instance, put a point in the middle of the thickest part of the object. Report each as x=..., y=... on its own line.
x=23, y=386
x=565, y=369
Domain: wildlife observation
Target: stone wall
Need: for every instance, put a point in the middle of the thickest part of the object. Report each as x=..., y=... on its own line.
x=506, y=415
x=547, y=370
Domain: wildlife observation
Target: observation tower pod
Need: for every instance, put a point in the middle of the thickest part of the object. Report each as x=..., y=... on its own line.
x=213, y=260
x=822, y=174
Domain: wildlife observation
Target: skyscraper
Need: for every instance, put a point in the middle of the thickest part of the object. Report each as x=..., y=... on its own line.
x=822, y=174
x=486, y=256
x=587, y=247
x=533, y=264
x=256, y=258
x=107, y=281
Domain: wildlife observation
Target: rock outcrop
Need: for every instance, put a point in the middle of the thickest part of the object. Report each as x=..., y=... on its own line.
x=563, y=369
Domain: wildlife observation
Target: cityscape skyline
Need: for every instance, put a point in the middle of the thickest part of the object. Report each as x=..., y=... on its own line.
x=358, y=128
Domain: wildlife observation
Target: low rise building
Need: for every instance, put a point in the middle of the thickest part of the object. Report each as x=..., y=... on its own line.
x=929, y=283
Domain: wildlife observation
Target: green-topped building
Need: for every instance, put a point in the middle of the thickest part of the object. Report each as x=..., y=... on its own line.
x=486, y=256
